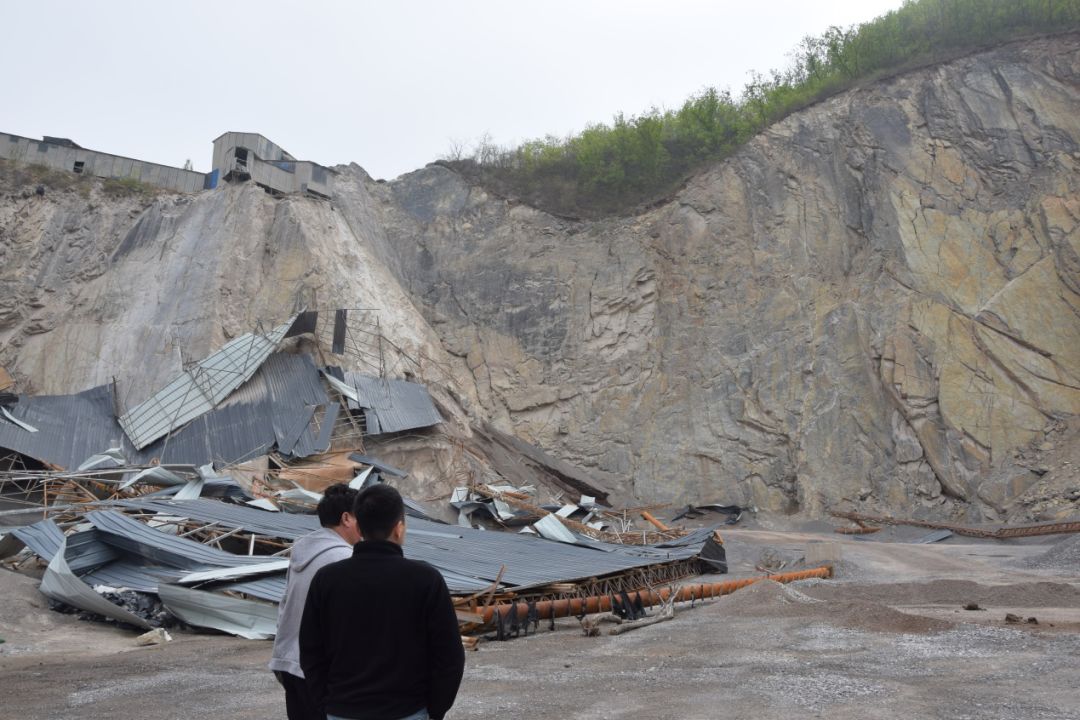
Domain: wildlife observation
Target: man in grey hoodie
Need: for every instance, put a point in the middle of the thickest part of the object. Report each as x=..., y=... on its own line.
x=333, y=542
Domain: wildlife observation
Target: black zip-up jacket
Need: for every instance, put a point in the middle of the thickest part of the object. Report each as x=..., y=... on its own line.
x=379, y=638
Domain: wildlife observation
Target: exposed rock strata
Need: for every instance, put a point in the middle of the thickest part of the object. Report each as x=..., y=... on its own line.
x=877, y=301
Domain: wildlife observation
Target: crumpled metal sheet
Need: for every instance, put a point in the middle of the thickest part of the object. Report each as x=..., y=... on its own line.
x=389, y=405
x=60, y=583
x=274, y=407
x=550, y=528
x=25, y=426
x=468, y=559
x=197, y=391
x=113, y=457
x=191, y=490
x=83, y=550
x=44, y=538
x=379, y=465
x=55, y=417
x=153, y=546
x=245, y=618
x=935, y=536
x=360, y=481
x=276, y=565
x=154, y=476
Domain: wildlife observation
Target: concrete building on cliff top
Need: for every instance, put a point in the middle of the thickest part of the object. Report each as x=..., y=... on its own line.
x=250, y=156
x=237, y=157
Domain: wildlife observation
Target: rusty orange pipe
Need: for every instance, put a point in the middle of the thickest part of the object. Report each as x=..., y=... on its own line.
x=652, y=518
x=572, y=607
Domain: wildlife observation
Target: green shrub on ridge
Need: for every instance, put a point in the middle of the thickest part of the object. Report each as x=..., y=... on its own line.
x=609, y=168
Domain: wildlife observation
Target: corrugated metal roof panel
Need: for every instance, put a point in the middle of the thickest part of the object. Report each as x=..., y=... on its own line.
x=87, y=550
x=465, y=557
x=281, y=395
x=197, y=391
x=130, y=574
x=378, y=464
x=393, y=405
x=694, y=537
x=70, y=428
x=294, y=387
x=934, y=536
x=84, y=550
x=267, y=588
x=43, y=538
x=140, y=539
x=273, y=408
x=287, y=526
x=418, y=510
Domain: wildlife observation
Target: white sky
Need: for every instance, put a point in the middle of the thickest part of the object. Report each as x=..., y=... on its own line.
x=389, y=85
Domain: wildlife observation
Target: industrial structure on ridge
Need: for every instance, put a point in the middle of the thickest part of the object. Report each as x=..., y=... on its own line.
x=237, y=157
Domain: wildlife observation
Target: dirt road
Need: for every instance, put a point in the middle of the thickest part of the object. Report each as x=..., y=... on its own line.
x=886, y=639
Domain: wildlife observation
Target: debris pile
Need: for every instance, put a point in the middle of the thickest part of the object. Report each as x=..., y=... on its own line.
x=565, y=523
x=1063, y=555
x=183, y=509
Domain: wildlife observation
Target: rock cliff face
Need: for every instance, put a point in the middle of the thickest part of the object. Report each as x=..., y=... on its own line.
x=875, y=303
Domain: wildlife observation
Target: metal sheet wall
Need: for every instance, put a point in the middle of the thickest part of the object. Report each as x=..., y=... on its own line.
x=304, y=175
x=99, y=164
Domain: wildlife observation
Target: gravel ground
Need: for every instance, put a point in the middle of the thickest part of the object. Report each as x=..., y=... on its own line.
x=887, y=639
x=1063, y=555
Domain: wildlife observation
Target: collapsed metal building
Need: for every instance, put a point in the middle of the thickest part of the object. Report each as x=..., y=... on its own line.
x=184, y=507
x=144, y=546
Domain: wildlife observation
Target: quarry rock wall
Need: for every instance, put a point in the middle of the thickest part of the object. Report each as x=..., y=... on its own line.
x=875, y=303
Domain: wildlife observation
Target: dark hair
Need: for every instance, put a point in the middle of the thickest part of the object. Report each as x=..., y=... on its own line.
x=378, y=509
x=336, y=499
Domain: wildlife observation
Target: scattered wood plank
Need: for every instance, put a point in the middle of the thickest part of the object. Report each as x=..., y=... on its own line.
x=667, y=613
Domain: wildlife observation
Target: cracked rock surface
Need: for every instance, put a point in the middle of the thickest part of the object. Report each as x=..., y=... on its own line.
x=876, y=302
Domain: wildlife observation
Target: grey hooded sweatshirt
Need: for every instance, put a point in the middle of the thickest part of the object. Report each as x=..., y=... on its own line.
x=309, y=553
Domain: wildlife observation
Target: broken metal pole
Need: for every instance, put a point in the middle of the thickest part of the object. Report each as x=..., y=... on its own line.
x=574, y=607
x=668, y=613
x=998, y=533
x=648, y=516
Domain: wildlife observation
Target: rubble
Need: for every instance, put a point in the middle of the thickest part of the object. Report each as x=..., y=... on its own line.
x=156, y=636
x=144, y=524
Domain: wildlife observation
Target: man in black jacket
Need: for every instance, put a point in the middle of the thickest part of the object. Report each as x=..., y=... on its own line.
x=379, y=638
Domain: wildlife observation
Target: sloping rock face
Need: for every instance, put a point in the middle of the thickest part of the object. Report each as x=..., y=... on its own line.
x=129, y=289
x=875, y=303
x=132, y=288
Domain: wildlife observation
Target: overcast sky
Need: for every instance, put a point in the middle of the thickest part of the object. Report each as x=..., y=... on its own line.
x=388, y=85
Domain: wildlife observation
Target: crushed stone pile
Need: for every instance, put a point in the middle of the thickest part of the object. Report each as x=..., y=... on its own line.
x=959, y=592
x=768, y=598
x=1063, y=555
x=143, y=605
